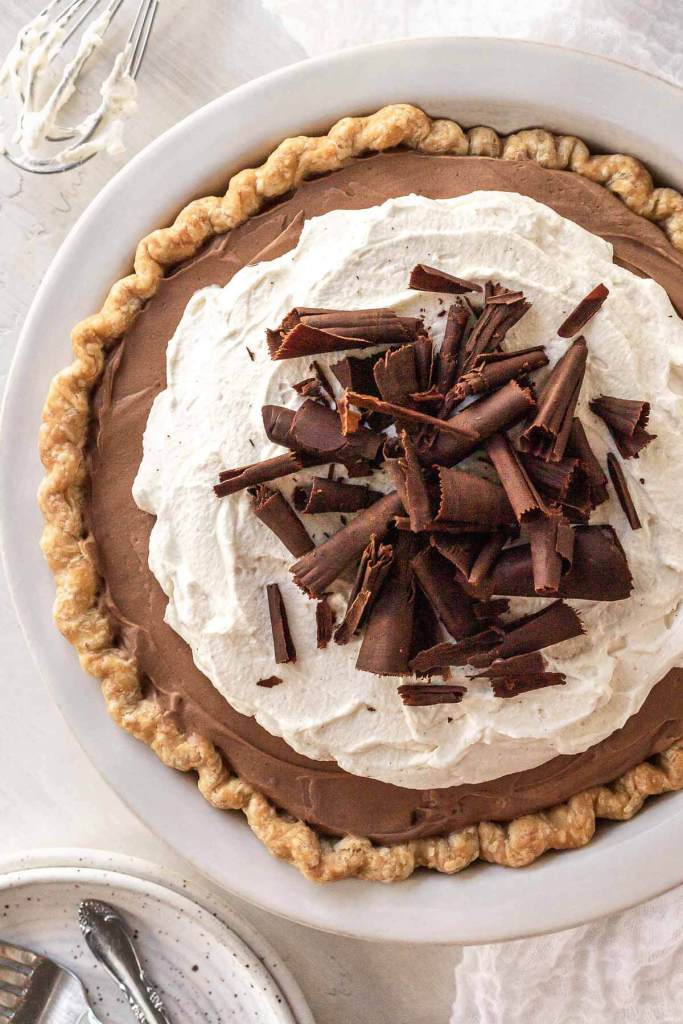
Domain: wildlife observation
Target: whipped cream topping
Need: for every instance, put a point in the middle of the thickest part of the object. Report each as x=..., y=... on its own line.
x=213, y=558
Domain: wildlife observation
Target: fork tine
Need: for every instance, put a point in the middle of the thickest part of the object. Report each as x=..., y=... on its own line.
x=17, y=955
x=13, y=978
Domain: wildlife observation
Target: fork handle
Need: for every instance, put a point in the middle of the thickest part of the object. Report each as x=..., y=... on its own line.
x=108, y=939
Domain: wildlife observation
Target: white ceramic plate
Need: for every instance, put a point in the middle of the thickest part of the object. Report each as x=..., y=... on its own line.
x=502, y=83
x=209, y=964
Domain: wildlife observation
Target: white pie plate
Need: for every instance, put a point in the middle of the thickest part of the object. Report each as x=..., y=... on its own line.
x=209, y=964
x=502, y=83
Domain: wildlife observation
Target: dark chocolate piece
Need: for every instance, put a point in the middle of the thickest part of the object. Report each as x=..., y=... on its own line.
x=430, y=279
x=466, y=498
x=309, y=332
x=410, y=416
x=388, y=636
x=495, y=412
x=315, y=431
x=552, y=625
x=350, y=419
x=523, y=496
x=579, y=447
x=563, y=484
x=424, y=361
x=495, y=321
x=355, y=373
x=324, y=622
x=461, y=550
x=491, y=370
x=420, y=695
x=396, y=375
x=283, y=646
x=275, y=512
x=448, y=358
x=552, y=551
x=403, y=523
x=547, y=435
x=486, y=558
x=618, y=479
x=374, y=565
x=426, y=630
x=407, y=473
x=234, y=480
x=512, y=686
x=325, y=495
x=599, y=569
x=450, y=602
x=626, y=421
x=449, y=655
x=584, y=312
x=269, y=682
x=316, y=570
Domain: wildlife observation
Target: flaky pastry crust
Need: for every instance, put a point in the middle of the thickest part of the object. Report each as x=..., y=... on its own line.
x=63, y=438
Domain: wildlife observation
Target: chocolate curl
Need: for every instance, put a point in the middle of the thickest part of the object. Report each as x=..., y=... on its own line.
x=579, y=447
x=283, y=646
x=599, y=570
x=552, y=625
x=618, y=479
x=275, y=512
x=325, y=495
x=449, y=353
x=420, y=695
x=426, y=629
x=430, y=279
x=626, y=421
x=523, y=496
x=512, y=676
x=316, y=570
x=374, y=566
x=449, y=655
x=547, y=435
x=563, y=484
x=317, y=387
x=584, y=312
x=552, y=550
x=482, y=565
x=387, y=640
x=350, y=420
x=315, y=431
x=496, y=319
x=324, y=622
x=473, y=556
x=355, y=373
x=449, y=600
x=310, y=332
x=464, y=497
x=396, y=376
x=234, y=480
x=400, y=412
x=408, y=476
x=433, y=526
x=487, y=416
x=424, y=361
x=493, y=369
x=513, y=686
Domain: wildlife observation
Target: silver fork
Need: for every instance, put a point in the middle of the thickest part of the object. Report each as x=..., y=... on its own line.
x=37, y=990
x=39, y=44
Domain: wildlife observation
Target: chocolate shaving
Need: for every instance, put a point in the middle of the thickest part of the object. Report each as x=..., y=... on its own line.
x=234, y=480
x=324, y=622
x=396, y=375
x=578, y=446
x=269, y=682
x=552, y=625
x=275, y=512
x=552, y=551
x=486, y=558
x=547, y=435
x=491, y=370
x=449, y=600
x=385, y=650
x=325, y=495
x=523, y=496
x=449, y=655
x=430, y=279
x=350, y=419
x=626, y=421
x=424, y=361
x=317, y=569
x=408, y=476
x=618, y=479
x=496, y=319
x=599, y=570
x=460, y=550
x=584, y=312
x=400, y=412
x=420, y=695
x=563, y=484
x=433, y=526
x=449, y=354
x=355, y=373
x=309, y=332
x=487, y=416
x=283, y=646
x=512, y=686
x=374, y=565
x=315, y=431
x=426, y=629
x=466, y=498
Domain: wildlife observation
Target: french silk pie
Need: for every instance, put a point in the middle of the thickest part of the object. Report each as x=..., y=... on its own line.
x=363, y=495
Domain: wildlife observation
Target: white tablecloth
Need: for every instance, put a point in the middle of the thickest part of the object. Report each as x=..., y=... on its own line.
x=623, y=970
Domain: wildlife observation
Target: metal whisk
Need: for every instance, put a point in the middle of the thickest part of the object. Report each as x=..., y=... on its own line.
x=37, y=47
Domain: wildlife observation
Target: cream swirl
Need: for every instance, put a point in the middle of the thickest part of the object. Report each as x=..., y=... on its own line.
x=213, y=558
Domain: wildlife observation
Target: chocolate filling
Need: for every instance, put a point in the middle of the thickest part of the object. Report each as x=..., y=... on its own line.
x=319, y=792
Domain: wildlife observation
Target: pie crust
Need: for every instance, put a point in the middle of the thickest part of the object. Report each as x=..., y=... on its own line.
x=63, y=437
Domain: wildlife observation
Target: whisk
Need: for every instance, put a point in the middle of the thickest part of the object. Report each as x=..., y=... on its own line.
x=38, y=45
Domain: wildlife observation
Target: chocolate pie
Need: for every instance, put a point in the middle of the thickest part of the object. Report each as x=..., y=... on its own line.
x=362, y=495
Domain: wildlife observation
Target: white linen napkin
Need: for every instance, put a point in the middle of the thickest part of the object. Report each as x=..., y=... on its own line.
x=625, y=969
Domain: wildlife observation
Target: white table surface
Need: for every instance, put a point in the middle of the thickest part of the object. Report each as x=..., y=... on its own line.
x=50, y=795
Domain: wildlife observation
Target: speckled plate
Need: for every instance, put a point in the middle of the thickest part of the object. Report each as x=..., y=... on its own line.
x=210, y=965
